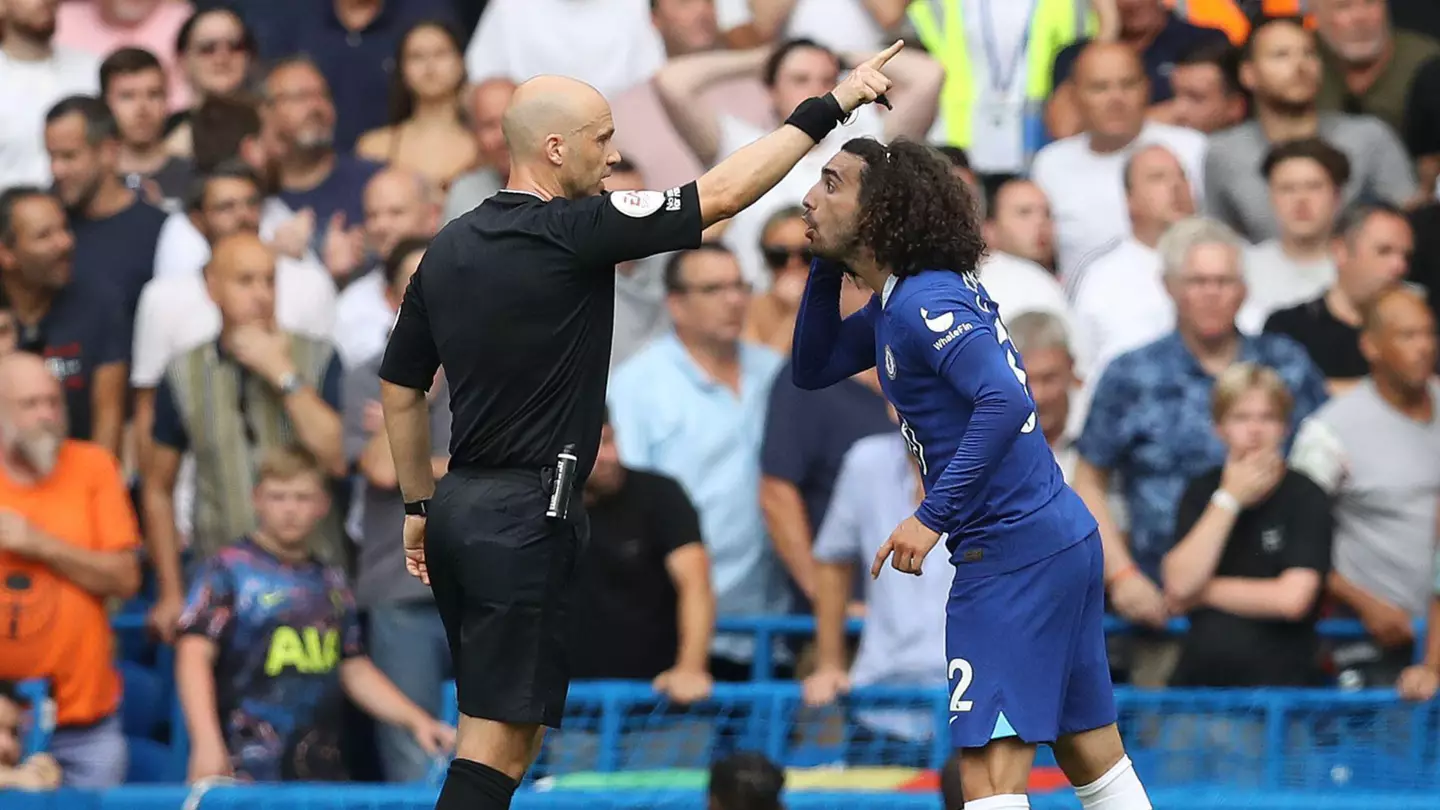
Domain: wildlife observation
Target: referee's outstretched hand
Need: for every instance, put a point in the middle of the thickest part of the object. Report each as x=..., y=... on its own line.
x=415, y=548
x=866, y=83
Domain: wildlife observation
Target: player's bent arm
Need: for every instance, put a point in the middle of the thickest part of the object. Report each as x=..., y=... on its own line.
x=832, y=594
x=407, y=423
x=789, y=529
x=689, y=570
x=742, y=178
x=680, y=83
x=195, y=687
x=1092, y=484
x=157, y=501
x=826, y=349
x=1189, y=566
x=377, y=695
x=1288, y=597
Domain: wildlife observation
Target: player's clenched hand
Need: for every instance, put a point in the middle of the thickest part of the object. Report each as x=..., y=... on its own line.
x=1418, y=683
x=866, y=83
x=415, y=548
x=825, y=685
x=910, y=542
x=1137, y=599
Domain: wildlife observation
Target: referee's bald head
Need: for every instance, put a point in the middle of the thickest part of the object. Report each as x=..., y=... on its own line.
x=559, y=132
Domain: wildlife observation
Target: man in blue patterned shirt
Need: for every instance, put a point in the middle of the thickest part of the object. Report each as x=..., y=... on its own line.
x=1150, y=422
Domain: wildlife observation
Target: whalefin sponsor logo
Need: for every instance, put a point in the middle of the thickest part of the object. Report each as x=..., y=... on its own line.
x=949, y=337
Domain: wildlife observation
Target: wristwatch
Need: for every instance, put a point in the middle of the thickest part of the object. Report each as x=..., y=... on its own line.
x=417, y=508
x=290, y=383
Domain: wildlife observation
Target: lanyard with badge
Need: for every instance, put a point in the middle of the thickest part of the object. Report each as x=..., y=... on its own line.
x=998, y=120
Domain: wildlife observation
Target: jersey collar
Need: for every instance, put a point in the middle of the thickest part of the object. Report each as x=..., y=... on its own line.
x=890, y=284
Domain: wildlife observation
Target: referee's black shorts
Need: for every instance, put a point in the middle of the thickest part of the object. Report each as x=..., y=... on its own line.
x=502, y=574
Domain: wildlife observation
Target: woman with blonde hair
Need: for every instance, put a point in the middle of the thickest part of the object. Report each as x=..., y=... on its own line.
x=427, y=132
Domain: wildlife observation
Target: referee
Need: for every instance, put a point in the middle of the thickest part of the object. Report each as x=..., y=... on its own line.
x=516, y=301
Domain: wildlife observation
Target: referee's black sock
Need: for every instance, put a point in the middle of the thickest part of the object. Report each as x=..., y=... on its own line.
x=471, y=785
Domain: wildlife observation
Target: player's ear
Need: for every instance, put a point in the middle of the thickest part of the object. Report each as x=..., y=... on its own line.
x=555, y=149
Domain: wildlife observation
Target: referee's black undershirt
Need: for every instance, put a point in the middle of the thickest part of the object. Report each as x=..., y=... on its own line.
x=516, y=300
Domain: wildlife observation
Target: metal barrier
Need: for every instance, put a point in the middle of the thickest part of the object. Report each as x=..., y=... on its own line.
x=767, y=629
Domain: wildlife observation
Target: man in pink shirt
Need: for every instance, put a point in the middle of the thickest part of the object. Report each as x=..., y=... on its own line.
x=643, y=132
x=103, y=26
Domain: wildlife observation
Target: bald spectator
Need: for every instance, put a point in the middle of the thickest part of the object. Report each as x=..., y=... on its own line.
x=116, y=230
x=132, y=85
x=1372, y=248
x=1371, y=67
x=254, y=388
x=312, y=173
x=1208, y=96
x=399, y=204
x=1021, y=238
x=358, y=49
x=34, y=74
x=68, y=539
x=1281, y=68
x=1128, y=276
x=1159, y=38
x=1305, y=178
x=1083, y=175
x=610, y=43
x=1371, y=450
x=643, y=131
x=488, y=101
x=791, y=71
x=1148, y=421
x=77, y=328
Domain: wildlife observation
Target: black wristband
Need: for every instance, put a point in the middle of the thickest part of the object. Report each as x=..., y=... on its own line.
x=420, y=508
x=817, y=116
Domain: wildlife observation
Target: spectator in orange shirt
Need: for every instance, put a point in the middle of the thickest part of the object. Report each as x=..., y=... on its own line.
x=68, y=538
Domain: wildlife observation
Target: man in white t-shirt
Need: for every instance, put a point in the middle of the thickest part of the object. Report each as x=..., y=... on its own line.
x=610, y=44
x=1120, y=298
x=1020, y=234
x=1082, y=174
x=34, y=74
x=1306, y=179
x=792, y=71
x=398, y=204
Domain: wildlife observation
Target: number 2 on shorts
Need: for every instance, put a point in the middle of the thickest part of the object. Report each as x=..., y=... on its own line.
x=958, y=703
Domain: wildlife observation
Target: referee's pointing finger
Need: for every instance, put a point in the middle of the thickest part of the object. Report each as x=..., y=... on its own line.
x=878, y=60
x=879, y=564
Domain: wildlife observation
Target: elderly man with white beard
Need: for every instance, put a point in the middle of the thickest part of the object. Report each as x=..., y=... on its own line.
x=68, y=541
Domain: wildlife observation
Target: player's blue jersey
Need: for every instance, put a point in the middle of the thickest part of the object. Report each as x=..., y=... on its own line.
x=946, y=363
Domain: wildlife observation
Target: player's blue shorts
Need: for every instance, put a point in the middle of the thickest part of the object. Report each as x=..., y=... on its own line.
x=1026, y=651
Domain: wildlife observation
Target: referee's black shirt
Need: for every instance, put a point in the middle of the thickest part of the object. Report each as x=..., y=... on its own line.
x=516, y=300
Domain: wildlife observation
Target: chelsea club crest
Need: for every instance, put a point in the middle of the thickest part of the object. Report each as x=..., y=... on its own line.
x=889, y=363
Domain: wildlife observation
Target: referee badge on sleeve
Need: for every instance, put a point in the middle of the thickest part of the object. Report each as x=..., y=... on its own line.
x=637, y=203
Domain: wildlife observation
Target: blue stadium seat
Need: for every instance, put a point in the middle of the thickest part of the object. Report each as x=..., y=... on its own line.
x=150, y=763
x=144, y=709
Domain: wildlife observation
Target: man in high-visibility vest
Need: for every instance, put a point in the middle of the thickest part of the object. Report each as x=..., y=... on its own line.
x=1159, y=36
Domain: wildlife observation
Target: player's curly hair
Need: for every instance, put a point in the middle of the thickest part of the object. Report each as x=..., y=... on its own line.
x=914, y=214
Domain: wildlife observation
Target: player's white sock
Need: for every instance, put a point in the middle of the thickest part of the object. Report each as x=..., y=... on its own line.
x=1118, y=789
x=1005, y=801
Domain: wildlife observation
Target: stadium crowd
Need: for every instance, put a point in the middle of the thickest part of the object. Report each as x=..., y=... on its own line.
x=1213, y=234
